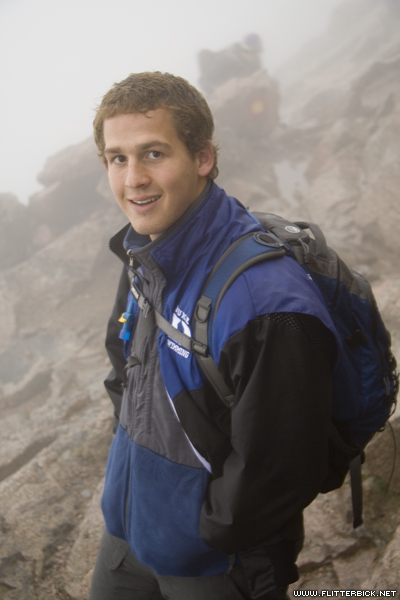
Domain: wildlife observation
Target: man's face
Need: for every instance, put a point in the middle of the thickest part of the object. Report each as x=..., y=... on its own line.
x=152, y=175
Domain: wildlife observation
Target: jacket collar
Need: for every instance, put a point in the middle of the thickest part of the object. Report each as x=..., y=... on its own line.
x=128, y=239
x=213, y=222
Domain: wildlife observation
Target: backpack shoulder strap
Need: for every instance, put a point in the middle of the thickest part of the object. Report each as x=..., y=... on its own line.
x=245, y=252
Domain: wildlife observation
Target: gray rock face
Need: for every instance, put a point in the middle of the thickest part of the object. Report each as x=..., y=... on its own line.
x=342, y=92
x=328, y=150
x=361, y=33
x=259, y=163
x=73, y=181
x=15, y=224
x=337, y=557
x=56, y=422
x=70, y=195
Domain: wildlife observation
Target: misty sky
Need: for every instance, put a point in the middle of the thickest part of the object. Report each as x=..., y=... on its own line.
x=58, y=57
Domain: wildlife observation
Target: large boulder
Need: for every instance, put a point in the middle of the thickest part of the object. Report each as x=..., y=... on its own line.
x=70, y=194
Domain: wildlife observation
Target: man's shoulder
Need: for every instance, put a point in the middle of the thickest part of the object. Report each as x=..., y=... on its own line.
x=274, y=286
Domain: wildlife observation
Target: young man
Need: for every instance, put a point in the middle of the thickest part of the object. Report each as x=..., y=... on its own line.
x=202, y=501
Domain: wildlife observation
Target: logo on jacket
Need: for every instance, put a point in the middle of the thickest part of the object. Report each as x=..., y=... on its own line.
x=180, y=321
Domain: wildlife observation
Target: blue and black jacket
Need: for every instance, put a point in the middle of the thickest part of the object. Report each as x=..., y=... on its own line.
x=190, y=482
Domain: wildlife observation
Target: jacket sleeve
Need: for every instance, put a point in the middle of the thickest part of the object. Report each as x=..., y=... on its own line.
x=280, y=371
x=115, y=349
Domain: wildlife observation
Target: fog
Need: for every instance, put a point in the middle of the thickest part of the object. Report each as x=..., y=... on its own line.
x=57, y=59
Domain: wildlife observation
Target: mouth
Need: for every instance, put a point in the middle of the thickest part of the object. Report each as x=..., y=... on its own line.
x=146, y=200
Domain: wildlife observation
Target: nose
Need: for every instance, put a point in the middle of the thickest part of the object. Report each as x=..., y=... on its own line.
x=137, y=175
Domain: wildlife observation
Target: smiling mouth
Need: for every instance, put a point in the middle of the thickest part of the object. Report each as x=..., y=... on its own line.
x=147, y=201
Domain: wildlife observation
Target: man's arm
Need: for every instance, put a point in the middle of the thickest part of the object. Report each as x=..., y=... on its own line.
x=280, y=368
x=114, y=346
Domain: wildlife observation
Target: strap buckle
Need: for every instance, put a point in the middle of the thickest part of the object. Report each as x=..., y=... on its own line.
x=203, y=308
x=144, y=305
x=199, y=348
x=134, y=291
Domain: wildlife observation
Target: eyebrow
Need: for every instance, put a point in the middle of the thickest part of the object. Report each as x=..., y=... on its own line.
x=141, y=147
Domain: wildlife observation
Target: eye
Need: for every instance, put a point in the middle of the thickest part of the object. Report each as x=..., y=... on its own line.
x=155, y=154
x=119, y=159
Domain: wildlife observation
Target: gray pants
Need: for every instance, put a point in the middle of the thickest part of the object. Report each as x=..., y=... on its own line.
x=118, y=575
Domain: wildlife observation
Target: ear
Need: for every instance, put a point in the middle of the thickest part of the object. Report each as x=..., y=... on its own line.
x=205, y=159
x=106, y=165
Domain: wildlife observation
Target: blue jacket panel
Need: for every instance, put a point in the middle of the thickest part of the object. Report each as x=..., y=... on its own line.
x=155, y=504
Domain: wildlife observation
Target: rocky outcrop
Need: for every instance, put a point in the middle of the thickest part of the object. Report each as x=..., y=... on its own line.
x=387, y=574
x=361, y=33
x=71, y=194
x=341, y=99
x=338, y=557
x=259, y=161
x=15, y=227
x=352, y=171
x=56, y=424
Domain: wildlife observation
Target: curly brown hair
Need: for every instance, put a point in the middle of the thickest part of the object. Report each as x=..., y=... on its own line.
x=141, y=92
